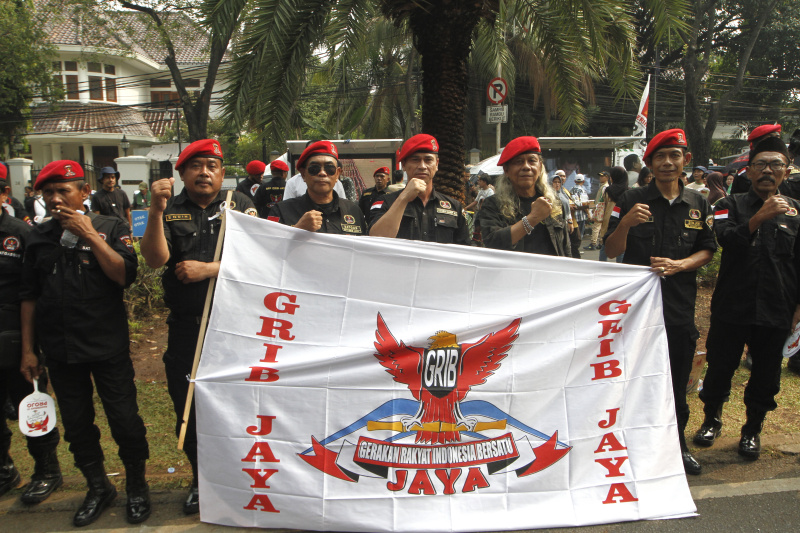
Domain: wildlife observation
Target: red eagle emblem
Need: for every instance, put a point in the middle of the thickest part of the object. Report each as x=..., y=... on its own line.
x=440, y=376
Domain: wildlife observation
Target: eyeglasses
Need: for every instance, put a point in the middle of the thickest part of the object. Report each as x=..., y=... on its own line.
x=315, y=168
x=774, y=165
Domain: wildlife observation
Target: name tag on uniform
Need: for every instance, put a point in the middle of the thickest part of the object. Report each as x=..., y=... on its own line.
x=446, y=212
x=692, y=224
x=178, y=216
x=351, y=228
x=649, y=219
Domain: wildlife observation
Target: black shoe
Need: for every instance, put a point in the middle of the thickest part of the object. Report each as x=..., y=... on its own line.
x=45, y=479
x=750, y=446
x=137, y=506
x=690, y=464
x=101, y=494
x=711, y=427
x=192, y=503
x=590, y=247
x=9, y=476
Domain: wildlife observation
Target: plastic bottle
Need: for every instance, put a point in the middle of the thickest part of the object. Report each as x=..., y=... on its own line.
x=69, y=239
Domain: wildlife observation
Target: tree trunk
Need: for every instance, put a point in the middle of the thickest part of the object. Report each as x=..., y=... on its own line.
x=443, y=37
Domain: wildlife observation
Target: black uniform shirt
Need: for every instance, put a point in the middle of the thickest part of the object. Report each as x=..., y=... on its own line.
x=80, y=312
x=112, y=204
x=341, y=216
x=440, y=220
x=675, y=231
x=15, y=208
x=368, y=199
x=549, y=237
x=757, y=283
x=192, y=234
x=248, y=186
x=14, y=236
x=269, y=194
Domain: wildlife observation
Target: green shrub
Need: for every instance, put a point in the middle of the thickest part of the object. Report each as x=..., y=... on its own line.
x=146, y=294
x=707, y=275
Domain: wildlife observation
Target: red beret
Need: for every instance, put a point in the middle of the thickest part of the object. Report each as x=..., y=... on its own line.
x=255, y=168
x=317, y=148
x=421, y=142
x=3, y=171
x=62, y=170
x=760, y=131
x=666, y=139
x=383, y=170
x=201, y=148
x=520, y=145
x=279, y=165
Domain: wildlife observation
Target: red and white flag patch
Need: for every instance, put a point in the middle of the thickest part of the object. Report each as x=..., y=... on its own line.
x=722, y=213
x=377, y=205
x=615, y=212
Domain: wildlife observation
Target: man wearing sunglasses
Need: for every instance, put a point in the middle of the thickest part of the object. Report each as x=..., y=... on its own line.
x=419, y=212
x=320, y=209
x=757, y=297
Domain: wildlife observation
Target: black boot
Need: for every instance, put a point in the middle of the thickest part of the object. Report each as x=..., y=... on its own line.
x=101, y=494
x=711, y=427
x=750, y=443
x=690, y=464
x=45, y=479
x=192, y=503
x=9, y=476
x=137, y=508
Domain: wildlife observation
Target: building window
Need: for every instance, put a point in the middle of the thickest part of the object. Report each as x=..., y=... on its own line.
x=164, y=98
x=71, y=66
x=111, y=69
x=161, y=83
x=111, y=89
x=57, y=66
x=191, y=82
x=94, y=67
x=72, y=87
x=95, y=88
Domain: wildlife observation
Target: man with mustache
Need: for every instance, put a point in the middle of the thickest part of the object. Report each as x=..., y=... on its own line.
x=182, y=233
x=757, y=297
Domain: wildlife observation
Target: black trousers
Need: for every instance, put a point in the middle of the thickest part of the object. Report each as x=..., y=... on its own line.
x=725, y=344
x=682, y=342
x=113, y=379
x=178, y=360
x=15, y=387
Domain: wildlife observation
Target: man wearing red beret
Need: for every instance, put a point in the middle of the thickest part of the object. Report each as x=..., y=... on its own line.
x=668, y=227
x=740, y=181
x=371, y=197
x=271, y=192
x=182, y=233
x=255, y=173
x=75, y=269
x=419, y=212
x=296, y=186
x=320, y=209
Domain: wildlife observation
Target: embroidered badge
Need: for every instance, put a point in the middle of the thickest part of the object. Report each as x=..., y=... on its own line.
x=126, y=240
x=177, y=216
x=445, y=204
x=792, y=212
x=68, y=172
x=710, y=221
x=103, y=235
x=11, y=244
x=251, y=211
x=217, y=149
x=693, y=224
x=694, y=213
x=350, y=219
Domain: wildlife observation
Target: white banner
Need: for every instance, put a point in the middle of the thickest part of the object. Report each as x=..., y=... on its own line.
x=368, y=384
x=640, y=124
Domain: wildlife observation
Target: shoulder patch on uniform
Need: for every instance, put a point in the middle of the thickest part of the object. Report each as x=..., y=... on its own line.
x=350, y=219
x=126, y=240
x=710, y=221
x=10, y=244
x=177, y=216
x=103, y=235
x=233, y=205
x=251, y=211
x=694, y=214
x=792, y=212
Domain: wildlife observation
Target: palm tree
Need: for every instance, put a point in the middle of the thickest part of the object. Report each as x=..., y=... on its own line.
x=574, y=39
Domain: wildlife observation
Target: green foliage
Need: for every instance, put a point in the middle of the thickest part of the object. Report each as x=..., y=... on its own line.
x=25, y=66
x=145, y=295
x=707, y=275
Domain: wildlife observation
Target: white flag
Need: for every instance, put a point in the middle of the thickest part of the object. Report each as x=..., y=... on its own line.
x=640, y=124
x=369, y=384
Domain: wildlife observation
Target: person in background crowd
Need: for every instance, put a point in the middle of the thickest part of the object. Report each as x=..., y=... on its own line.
x=11, y=205
x=484, y=192
x=581, y=199
x=755, y=301
x=524, y=214
x=109, y=200
x=271, y=191
x=715, y=187
x=698, y=178
x=373, y=195
x=14, y=236
x=668, y=228
x=182, y=233
x=633, y=165
x=645, y=177
x=255, y=173
x=397, y=182
x=597, y=223
x=728, y=183
x=419, y=212
x=569, y=207
x=75, y=270
x=141, y=198
x=320, y=209
x=614, y=192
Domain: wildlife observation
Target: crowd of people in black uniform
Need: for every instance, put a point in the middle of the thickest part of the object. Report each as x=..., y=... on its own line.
x=61, y=292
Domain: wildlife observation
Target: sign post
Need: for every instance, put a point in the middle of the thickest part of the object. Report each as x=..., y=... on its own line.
x=496, y=92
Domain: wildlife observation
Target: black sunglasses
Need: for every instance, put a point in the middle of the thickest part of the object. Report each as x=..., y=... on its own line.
x=315, y=168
